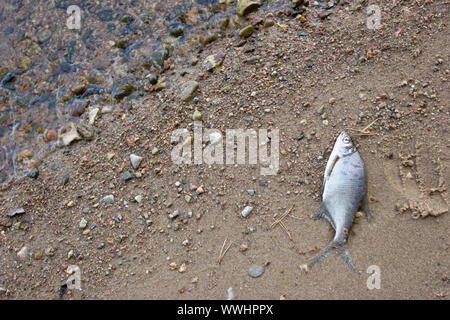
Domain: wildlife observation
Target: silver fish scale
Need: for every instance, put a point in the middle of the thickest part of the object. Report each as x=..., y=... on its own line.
x=344, y=191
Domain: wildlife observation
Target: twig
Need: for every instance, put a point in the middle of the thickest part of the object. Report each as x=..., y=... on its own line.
x=282, y=217
x=222, y=253
x=365, y=132
x=285, y=229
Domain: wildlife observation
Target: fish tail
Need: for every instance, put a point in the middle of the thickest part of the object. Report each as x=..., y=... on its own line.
x=344, y=253
x=341, y=250
x=322, y=254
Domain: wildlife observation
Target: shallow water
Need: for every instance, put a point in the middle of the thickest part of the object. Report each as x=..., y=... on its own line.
x=49, y=72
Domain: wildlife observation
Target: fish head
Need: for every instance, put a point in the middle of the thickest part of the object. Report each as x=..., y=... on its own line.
x=344, y=144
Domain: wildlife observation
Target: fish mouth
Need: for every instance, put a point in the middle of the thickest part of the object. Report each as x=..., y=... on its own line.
x=344, y=134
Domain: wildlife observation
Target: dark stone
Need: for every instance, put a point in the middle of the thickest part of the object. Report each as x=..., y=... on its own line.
x=34, y=173
x=126, y=176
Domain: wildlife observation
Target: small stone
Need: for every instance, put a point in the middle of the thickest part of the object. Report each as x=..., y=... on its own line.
x=159, y=56
x=126, y=176
x=251, y=192
x=296, y=3
x=155, y=151
x=70, y=254
x=49, y=252
x=302, y=33
x=177, y=31
x=23, y=253
x=110, y=155
x=93, y=115
x=135, y=161
x=83, y=223
x=255, y=271
x=51, y=135
x=332, y=101
x=24, y=154
x=304, y=268
x=182, y=268
x=107, y=199
x=13, y=212
x=64, y=179
x=213, y=61
x=247, y=210
x=38, y=255
x=123, y=91
x=188, y=90
x=44, y=36
x=70, y=135
x=320, y=111
x=269, y=23
x=174, y=214
x=85, y=130
x=244, y=7
x=187, y=198
x=34, y=173
x=246, y=31
x=138, y=198
x=243, y=247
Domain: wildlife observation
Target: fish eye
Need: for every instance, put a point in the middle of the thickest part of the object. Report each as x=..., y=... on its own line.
x=346, y=140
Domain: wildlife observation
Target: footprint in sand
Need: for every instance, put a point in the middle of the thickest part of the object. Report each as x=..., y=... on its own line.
x=420, y=173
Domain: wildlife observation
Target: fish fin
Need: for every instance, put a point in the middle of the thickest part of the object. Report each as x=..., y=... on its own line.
x=365, y=206
x=322, y=212
x=322, y=254
x=342, y=251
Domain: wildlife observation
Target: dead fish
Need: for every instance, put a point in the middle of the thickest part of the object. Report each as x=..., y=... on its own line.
x=344, y=191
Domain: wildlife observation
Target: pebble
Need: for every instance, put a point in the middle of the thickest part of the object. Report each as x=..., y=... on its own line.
x=244, y=7
x=85, y=130
x=123, y=91
x=13, y=212
x=159, y=56
x=70, y=135
x=177, y=31
x=126, y=176
x=34, y=173
x=64, y=179
x=246, y=31
x=49, y=252
x=174, y=214
x=107, y=199
x=213, y=61
x=247, y=210
x=188, y=90
x=251, y=192
x=23, y=253
x=135, y=161
x=52, y=135
x=255, y=271
x=138, y=198
x=93, y=115
x=83, y=223
x=44, y=36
